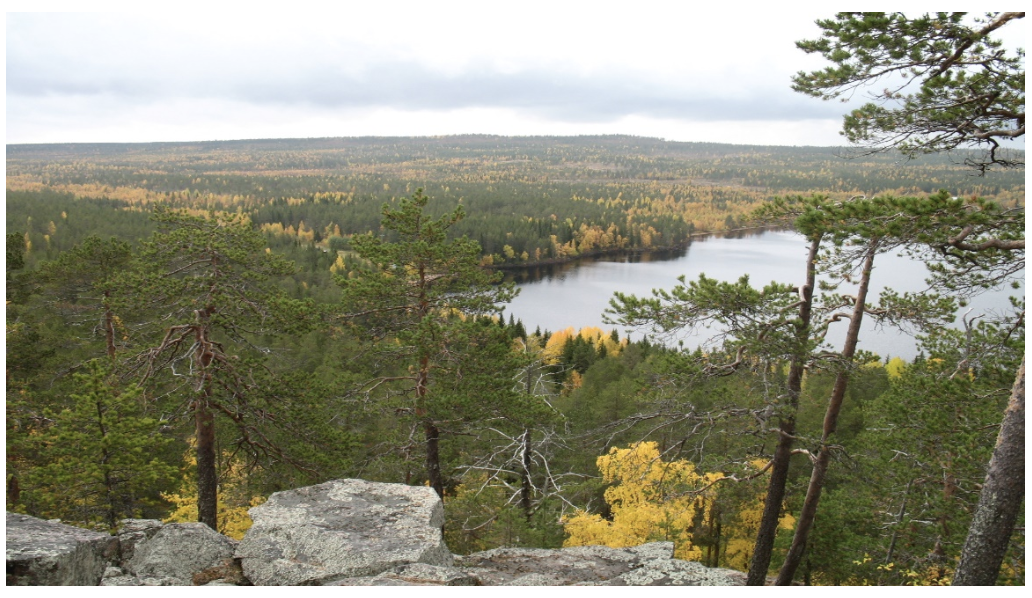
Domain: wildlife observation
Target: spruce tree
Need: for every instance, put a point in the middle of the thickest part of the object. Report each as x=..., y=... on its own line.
x=102, y=455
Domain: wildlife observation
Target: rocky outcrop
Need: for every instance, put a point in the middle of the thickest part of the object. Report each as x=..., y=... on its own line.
x=675, y=572
x=416, y=574
x=134, y=531
x=178, y=551
x=569, y=566
x=341, y=529
x=344, y=532
x=46, y=553
x=648, y=564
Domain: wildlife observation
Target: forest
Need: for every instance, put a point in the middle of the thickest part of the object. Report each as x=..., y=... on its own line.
x=194, y=326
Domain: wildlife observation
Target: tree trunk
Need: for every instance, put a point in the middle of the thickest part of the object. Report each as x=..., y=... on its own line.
x=1000, y=501
x=433, y=458
x=764, y=546
x=204, y=425
x=207, y=478
x=526, y=490
x=820, y=465
x=431, y=433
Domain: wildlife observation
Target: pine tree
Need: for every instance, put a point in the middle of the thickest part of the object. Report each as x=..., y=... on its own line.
x=420, y=289
x=970, y=93
x=82, y=278
x=970, y=90
x=784, y=322
x=207, y=283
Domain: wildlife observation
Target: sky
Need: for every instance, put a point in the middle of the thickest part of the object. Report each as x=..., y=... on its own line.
x=185, y=71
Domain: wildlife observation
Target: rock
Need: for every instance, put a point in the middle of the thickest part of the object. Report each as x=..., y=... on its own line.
x=343, y=533
x=221, y=582
x=567, y=566
x=652, y=551
x=133, y=531
x=674, y=572
x=342, y=529
x=121, y=580
x=45, y=553
x=177, y=551
x=230, y=572
x=161, y=581
x=416, y=574
x=648, y=564
x=535, y=579
x=116, y=576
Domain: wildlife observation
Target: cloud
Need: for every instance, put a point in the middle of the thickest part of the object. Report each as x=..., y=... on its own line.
x=413, y=86
x=580, y=69
x=408, y=86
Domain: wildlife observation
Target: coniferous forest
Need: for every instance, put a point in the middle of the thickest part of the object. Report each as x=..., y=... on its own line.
x=194, y=326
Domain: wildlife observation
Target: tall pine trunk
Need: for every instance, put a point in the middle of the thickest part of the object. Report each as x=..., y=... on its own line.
x=820, y=465
x=207, y=478
x=1002, y=495
x=204, y=428
x=433, y=457
x=431, y=433
x=786, y=434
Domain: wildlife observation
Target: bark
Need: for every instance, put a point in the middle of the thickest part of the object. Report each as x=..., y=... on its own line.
x=204, y=427
x=1002, y=495
x=820, y=465
x=526, y=490
x=786, y=434
x=207, y=479
x=433, y=458
x=431, y=433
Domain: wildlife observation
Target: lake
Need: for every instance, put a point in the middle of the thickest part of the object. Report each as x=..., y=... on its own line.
x=576, y=294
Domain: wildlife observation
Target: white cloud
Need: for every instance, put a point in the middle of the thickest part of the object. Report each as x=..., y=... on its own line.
x=661, y=69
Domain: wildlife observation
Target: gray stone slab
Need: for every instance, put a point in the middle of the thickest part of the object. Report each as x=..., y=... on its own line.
x=45, y=553
x=342, y=529
x=179, y=551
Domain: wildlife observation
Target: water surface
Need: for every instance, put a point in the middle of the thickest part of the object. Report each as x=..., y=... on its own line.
x=576, y=294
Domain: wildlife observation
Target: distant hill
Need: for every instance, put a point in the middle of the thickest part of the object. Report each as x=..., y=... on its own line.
x=528, y=199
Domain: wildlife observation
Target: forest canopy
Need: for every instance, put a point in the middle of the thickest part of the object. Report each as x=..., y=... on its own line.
x=252, y=316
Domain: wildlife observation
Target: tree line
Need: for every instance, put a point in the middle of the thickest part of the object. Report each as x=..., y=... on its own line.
x=132, y=365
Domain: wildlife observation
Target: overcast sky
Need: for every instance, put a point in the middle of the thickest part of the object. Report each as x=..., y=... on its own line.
x=685, y=71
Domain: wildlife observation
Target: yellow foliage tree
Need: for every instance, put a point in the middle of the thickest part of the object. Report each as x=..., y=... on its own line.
x=741, y=534
x=233, y=501
x=650, y=500
x=554, y=344
x=895, y=367
x=339, y=267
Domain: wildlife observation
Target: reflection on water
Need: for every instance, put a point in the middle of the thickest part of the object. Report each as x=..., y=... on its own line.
x=575, y=294
x=558, y=271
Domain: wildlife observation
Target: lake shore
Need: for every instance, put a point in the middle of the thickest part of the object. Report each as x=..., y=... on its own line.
x=636, y=251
